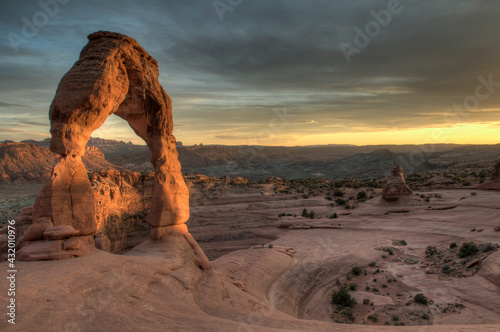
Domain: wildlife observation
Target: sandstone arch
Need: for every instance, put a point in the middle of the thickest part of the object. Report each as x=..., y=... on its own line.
x=114, y=75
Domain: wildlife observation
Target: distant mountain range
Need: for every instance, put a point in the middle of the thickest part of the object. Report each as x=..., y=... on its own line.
x=29, y=162
x=31, y=159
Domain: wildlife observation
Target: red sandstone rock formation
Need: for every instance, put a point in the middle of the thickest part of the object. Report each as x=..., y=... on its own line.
x=396, y=187
x=494, y=181
x=114, y=75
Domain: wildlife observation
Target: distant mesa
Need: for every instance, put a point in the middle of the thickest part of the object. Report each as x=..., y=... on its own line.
x=396, y=187
x=30, y=162
x=494, y=181
x=114, y=75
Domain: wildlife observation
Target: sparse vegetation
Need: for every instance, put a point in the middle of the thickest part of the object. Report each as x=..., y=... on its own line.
x=431, y=251
x=362, y=196
x=356, y=270
x=340, y=201
x=338, y=193
x=467, y=249
x=399, y=243
x=488, y=247
x=342, y=298
x=421, y=299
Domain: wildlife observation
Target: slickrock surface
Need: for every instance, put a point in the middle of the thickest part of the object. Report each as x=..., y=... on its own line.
x=264, y=289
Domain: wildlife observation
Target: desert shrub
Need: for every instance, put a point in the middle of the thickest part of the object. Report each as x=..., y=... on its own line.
x=270, y=246
x=304, y=213
x=372, y=264
x=384, y=286
x=343, y=298
x=367, y=288
x=362, y=195
x=375, y=290
x=340, y=201
x=399, y=324
x=349, y=314
x=488, y=247
x=420, y=298
x=425, y=316
x=334, y=216
x=311, y=214
x=453, y=245
x=467, y=249
x=366, y=301
x=446, y=269
x=330, y=198
x=395, y=318
x=430, y=251
x=356, y=270
x=338, y=193
x=353, y=286
x=373, y=317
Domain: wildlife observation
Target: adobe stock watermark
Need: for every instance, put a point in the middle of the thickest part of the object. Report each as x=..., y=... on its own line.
x=221, y=7
x=372, y=29
x=456, y=115
x=31, y=27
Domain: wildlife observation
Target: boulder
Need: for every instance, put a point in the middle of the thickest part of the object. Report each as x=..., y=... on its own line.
x=396, y=187
x=493, y=183
x=60, y=232
x=36, y=230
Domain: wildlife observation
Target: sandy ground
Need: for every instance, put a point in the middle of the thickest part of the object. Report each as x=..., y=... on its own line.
x=156, y=286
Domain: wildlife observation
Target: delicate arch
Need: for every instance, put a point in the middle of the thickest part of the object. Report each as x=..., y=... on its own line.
x=114, y=75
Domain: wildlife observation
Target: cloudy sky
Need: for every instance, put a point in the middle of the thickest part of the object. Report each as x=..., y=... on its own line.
x=275, y=72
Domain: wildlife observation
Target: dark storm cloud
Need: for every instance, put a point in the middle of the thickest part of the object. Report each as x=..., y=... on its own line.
x=264, y=54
